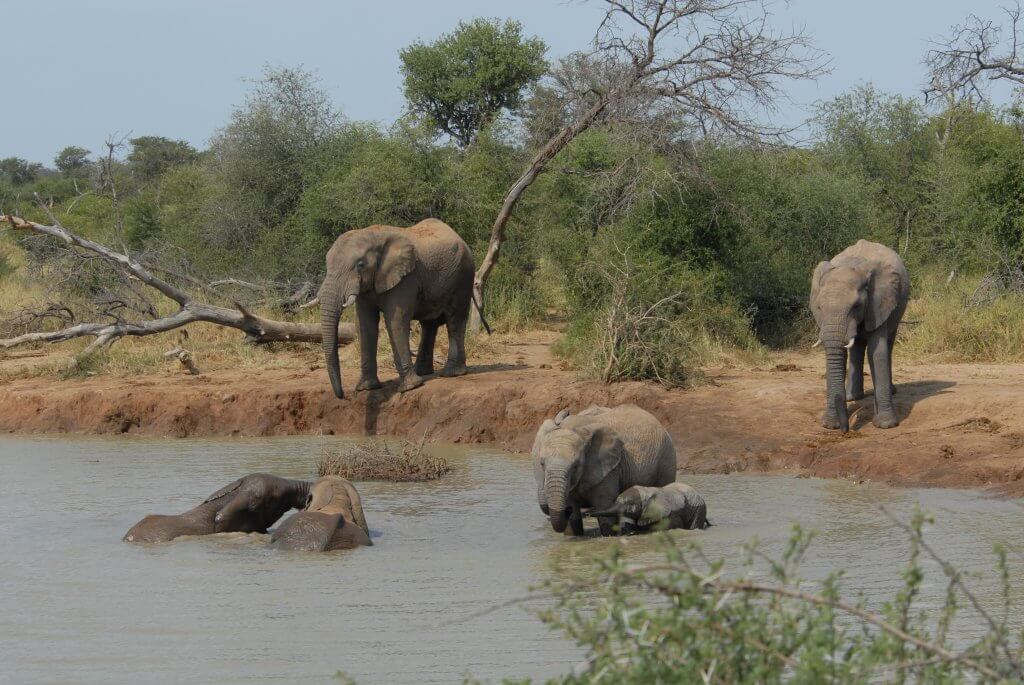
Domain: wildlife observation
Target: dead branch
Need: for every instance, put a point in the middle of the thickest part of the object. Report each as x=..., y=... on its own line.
x=258, y=330
x=183, y=356
x=714, y=63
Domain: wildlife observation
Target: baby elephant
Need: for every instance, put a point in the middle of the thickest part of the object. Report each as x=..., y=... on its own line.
x=333, y=519
x=251, y=504
x=676, y=505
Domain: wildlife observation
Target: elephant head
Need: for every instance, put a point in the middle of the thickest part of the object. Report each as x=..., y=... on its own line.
x=336, y=495
x=360, y=262
x=631, y=504
x=849, y=296
x=571, y=462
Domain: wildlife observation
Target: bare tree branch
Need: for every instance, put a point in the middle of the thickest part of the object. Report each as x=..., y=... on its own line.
x=256, y=328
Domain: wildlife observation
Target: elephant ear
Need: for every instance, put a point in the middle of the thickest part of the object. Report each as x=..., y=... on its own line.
x=883, y=295
x=561, y=416
x=816, y=283
x=396, y=262
x=602, y=455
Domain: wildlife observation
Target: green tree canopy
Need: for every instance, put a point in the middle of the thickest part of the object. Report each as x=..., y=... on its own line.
x=72, y=161
x=151, y=156
x=18, y=171
x=461, y=81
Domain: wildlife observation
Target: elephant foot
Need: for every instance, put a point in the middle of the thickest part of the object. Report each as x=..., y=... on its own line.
x=885, y=419
x=410, y=381
x=608, y=527
x=854, y=395
x=830, y=421
x=424, y=369
x=452, y=370
x=368, y=384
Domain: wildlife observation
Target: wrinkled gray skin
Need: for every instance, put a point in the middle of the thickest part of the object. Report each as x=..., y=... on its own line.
x=641, y=509
x=333, y=519
x=586, y=460
x=251, y=504
x=422, y=273
x=858, y=299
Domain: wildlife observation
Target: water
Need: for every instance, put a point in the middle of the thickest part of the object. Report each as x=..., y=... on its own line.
x=78, y=605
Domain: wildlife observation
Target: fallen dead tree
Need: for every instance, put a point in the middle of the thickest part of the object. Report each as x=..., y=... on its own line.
x=258, y=330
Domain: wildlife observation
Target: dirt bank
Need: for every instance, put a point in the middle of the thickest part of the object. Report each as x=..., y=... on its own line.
x=963, y=425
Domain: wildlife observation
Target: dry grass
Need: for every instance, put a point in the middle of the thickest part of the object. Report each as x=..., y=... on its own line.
x=376, y=460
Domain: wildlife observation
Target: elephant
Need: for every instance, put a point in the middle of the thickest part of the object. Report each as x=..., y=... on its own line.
x=423, y=273
x=858, y=299
x=251, y=504
x=587, y=459
x=332, y=519
x=676, y=505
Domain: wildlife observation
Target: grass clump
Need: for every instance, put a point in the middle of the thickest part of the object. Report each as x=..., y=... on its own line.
x=376, y=460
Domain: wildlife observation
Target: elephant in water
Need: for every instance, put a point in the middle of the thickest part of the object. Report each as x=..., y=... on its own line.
x=676, y=505
x=858, y=299
x=586, y=460
x=251, y=504
x=333, y=519
x=422, y=273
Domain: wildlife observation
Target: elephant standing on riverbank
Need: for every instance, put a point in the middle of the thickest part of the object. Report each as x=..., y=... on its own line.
x=251, y=504
x=676, y=505
x=858, y=299
x=332, y=519
x=422, y=273
x=586, y=460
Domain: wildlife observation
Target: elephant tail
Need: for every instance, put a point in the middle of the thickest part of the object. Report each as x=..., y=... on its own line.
x=480, y=311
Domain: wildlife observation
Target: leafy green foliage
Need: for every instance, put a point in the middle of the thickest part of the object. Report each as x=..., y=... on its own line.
x=151, y=156
x=463, y=80
x=73, y=161
x=686, y=618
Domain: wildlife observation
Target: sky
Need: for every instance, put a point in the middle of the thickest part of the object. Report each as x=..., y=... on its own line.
x=86, y=69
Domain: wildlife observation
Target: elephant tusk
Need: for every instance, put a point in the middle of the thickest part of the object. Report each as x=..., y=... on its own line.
x=849, y=345
x=348, y=303
x=816, y=343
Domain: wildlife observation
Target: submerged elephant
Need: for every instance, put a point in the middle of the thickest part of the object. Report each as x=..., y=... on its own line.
x=676, y=505
x=858, y=299
x=251, y=504
x=333, y=519
x=587, y=459
x=422, y=273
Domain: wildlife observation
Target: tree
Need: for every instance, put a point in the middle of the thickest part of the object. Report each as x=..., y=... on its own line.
x=73, y=161
x=713, y=64
x=19, y=171
x=151, y=156
x=977, y=53
x=463, y=80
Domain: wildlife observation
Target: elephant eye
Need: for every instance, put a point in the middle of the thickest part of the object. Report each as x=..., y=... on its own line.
x=360, y=263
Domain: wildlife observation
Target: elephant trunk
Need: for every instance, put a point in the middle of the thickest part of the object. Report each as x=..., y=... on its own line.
x=555, y=486
x=330, y=312
x=835, y=373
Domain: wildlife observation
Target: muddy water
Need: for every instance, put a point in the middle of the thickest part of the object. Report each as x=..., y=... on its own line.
x=78, y=605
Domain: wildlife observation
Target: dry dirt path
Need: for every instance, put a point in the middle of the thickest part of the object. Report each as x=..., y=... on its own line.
x=962, y=425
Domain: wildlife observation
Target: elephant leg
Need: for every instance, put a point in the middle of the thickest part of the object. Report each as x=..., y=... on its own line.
x=892, y=346
x=855, y=371
x=369, y=329
x=425, y=356
x=576, y=522
x=397, y=322
x=881, y=374
x=456, y=364
x=608, y=525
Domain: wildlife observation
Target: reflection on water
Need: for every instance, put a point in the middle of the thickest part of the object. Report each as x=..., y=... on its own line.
x=80, y=605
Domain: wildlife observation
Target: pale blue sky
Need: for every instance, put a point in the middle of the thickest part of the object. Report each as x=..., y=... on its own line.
x=83, y=69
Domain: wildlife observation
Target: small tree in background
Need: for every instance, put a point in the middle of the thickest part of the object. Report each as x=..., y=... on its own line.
x=151, y=156
x=73, y=161
x=463, y=80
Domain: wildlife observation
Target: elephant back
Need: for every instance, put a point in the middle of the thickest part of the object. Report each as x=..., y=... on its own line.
x=649, y=447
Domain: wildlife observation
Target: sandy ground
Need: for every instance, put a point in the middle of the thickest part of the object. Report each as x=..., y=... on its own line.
x=962, y=425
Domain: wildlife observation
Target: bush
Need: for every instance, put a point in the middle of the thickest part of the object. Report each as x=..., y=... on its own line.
x=685, y=619
x=376, y=460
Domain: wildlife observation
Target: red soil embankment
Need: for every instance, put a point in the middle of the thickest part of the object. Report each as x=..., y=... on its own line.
x=962, y=425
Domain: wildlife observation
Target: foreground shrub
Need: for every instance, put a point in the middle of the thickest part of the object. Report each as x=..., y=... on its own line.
x=685, y=619
x=375, y=460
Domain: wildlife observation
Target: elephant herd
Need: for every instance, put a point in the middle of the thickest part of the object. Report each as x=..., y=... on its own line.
x=618, y=463
x=425, y=273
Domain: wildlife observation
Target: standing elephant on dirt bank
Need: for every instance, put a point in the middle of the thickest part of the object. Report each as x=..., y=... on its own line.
x=858, y=299
x=251, y=504
x=422, y=273
x=587, y=459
